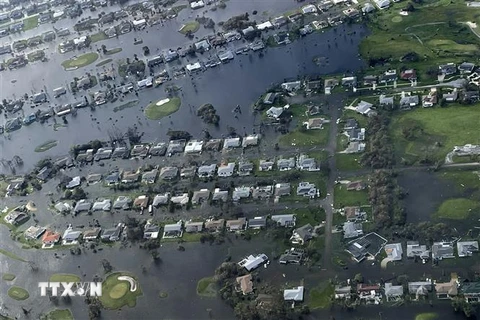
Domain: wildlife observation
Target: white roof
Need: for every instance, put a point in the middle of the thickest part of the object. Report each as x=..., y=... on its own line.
x=193, y=66
x=197, y=4
x=182, y=199
x=252, y=262
x=71, y=235
x=194, y=146
x=139, y=22
x=309, y=9
x=264, y=25
x=295, y=294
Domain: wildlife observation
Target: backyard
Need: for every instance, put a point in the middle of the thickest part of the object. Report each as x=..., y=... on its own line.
x=301, y=137
x=345, y=198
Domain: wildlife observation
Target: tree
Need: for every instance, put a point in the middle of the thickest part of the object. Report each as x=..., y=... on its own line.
x=104, y=49
x=107, y=267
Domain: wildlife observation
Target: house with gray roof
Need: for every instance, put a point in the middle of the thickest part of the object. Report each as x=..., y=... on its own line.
x=172, y=230
x=257, y=223
x=151, y=231
x=75, y=182
x=92, y=234
x=71, y=236
x=262, y=192
x=302, y=235
x=385, y=101
x=245, y=168
x=250, y=140
x=168, y=173
x=206, y=171
x=414, y=249
x=215, y=225
x=161, y=199
x=226, y=170
x=103, y=154
x=102, y=205
x=294, y=255
x=121, y=152
x=266, y=165
x=231, y=143
x=420, y=288
x=82, y=205
x=122, y=203
x=236, y=225
x=274, y=112
x=286, y=164
x=307, y=163
x=466, y=248
x=112, y=234
x=393, y=293
x=306, y=189
x=188, y=172
x=130, y=176
x=158, y=150
x=213, y=144
x=94, y=178
x=241, y=193
x=442, y=250
x=364, y=107
x=220, y=195
x=407, y=102
x=394, y=251
x=284, y=220
x=176, y=146
x=191, y=226
x=352, y=230
x=139, y=150
x=200, y=196
x=282, y=189
x=149, y=177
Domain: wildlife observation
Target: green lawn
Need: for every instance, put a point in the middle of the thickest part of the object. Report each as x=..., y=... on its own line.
x=18, y=293
x=36, y=55
x=58, y=314
x=64, y=277
x=155, y=112
x=345, y=198
x=427, y=316
x=311, y=215
x=11, y=255
x=206, y=287
x=456, y=209
x=305, y=138
x=80, y=61
x=103, y=62
x=30, y=22
x=348, y=162
x=116, y=293
x=191, y=237
x=191, y=27
x=99, y=36
x=434, y=131
x=113, y=51
x=46, y=146
x=8, y=277
x=321, y=297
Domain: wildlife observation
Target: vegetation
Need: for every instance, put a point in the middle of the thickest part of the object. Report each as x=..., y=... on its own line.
x=126, y=105
x=113, y=51
x=18, y=293
x=136, y=68
x=345, y=198
x=208, y=114
x=456, y=209
x=426, y=316
x=8, y=276
x=58, y=314
x=237, y=22
x=347, y=162
x=206, y=287
x=64, y=277
x=384, y=195
x=190, y=27
x=116, y=293
x=36, y=55
x=99, y=36
x=103, y=62
x=46, y=146
x=11, y=255
x=163, y=108
x=80, y=61
x=30, y=22
x=378, y=152
x=321, y=296
x=301, y=137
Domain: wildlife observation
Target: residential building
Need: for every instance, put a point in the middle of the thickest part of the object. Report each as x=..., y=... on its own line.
x=368, y=246
x=191, y=227
x=236, y=225
x=130, y=176
x=139, y=150
x=122, y=203
x=407, y=102
x=172, y=230
x=315, y=123
x=206, y=171
x=263, y=192
x=470, y=291
x=352, y=230
x=419, y=288
x=447, y=290
x=252, y=262
x=370, y=293
x=245, y=284
x=220, y=195
x=286, y=164
x=213, y=144
x=450, y=96
x=294, y=294
x=102, y=205
x=386, y=101
x=409, y=74
x=175, y=146
x=364, y=108
x=70, y=236
x=447, y=69
x=257, y=223
x=284, y=220
x=141, y=201
x=150, y=177
x=270, y=98
x=306, y=163
x=158, y=150
x=414, y=249
x=112, y=234
x=181, y=199
x=393, y=293
x=370, y=80
x=355, y=147
x=466, y=248
x=343, y=292
x=63, y=207
x=466, y=67
x=200, y=196
x=215, y=225
x=82, y=205
x=274, y=112
x=302, y=235
x=241, y=193
x=266, y=165
x=91, y=234
x=34, y=232
x=354, y=214
x=355, y=134
x=168, y=173
x=193, y=146
x=349, y=82
x=188, y=172
x=245, y=168
x=50, y=238
x=293, y=256
x=306, y=189
x=161, y=199
x=394, y=251
x=282, y=189
x=250, y=140
x=227, y=170
x=442, y=250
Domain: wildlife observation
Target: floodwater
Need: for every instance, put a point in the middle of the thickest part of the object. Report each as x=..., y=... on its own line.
x=239, y=82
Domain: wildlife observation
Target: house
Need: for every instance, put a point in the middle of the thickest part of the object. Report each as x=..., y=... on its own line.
x=392, y=292
x=369, y=292
x=172, y=230
x=471, y=96
x=442, y=250
x=123, y=203
x=193, y=227
x=302, y=235
x=369, y=80
x=343, y=292
x=294, y=294
x=75, y=182
x=91, y=234
x=44, y=173
x=414, y=249
x=315, y=123
x=364, y=108
x=245, y=168
x=447, y=290
x=312, y=86
x=82, y=205
x=206, y=171
x=388, y=76
x=382, y=4
x=279, y=21
x=281, y=38
x=286, y=164
x=368, y=246
x=121, y=152
x=257, y=223
x=139, y=150
x=241, y=193
x=466, y=248
x=447, y=69
x=419, y=288
x=70, y=236
x=103, y=154
x=282, y=189
x=16, y=217
x=245, y=284
x=168, y=173
x=200, y=196
x=451, y=96
x=291, y=86
x=270, y=98
x=284, y=220
x=267, y=165
x=86, y=156
x=181, y=199
x=50, y=238
x=215, y=225
x=130, y=176
x=394, y=251
x=141, y=201
x=349, y=82
x=274, y=112
x=158, y=150
x=188, y=172
x=310, y=8
x=194, y=146
x=294, y=256
x=252, y=262
x=385, y=101
x=407, y=102
x=409, y=74
x=226, y=170
x=354, y=214
x=112, y=234
x=356, y=134
x=262, y=192
x=466, y=67
x=306, y=189
x=151, y=231
x=431, y=99
x=306, y=163
x=250, y=140
x=236, y=225
x=102, y=205
x=176, y=146
x=352, y=230
x=470, y=291
x=34, y=232
x=160, y=199
x=220, y=195
x=149, y=177
x=213, y=145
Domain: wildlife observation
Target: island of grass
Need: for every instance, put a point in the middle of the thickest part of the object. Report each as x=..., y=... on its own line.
x=99, y=36
x=11, y=255
x=46, y=146
x=190, y=27
x=120, y=289
x=162, y=108
x=58, y=314
x=456, y=209
x=18, y=293
x=126, y=105
x=8, y=277
x=206, y=287
x=103, y=62
x=426, y=316
x=30, y=22
x=113, y=51
x=64, y=277
x=163, y=295
x=80, y=61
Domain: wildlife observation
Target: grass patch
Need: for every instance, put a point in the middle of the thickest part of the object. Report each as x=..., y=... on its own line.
x=8, y=277
x=311, y=215
x=36, y=55
x=30, y=22
x=206, y=287
x=345, y=198
x=113, y=51
x=155, y=112
x=58, y=314
x=46, y=146
x=126, y=105
x=177, y=9
x=321, y=296
x=433, y=132
x=116, y=293
x=64, y=277
x=191, y=236
x=190, y=27
x=80, y=61
x=99, y=36
x=18, y=293
x=11, y=255
x=427, y=316
x=305, y=138
x=456, y=209
x=163, y=295
x=348, y=161
x=103, y=62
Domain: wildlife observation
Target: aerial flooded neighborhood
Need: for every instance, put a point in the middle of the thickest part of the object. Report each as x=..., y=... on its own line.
x=239, y=159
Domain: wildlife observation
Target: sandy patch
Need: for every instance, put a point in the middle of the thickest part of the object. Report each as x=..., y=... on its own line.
x=162, y=102
x=472, y=25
